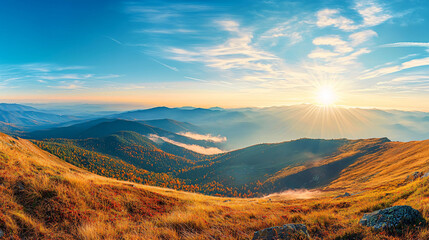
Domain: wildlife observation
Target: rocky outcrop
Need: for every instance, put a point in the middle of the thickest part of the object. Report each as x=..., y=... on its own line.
x=393, y=218
x=285, y=232
x=414, y=176
x=343, y=195
x=1, y=233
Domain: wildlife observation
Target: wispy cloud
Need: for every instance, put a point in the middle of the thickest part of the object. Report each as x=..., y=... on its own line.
x=115, y=40
x=166, y=31
x=292, y=30
x=407, y=79
x=50, y=75
x=165, y=65
x=407, y=44
x=371, y=12
x=322, y=53
x=66, y=76
x=237, y=52
x=361, y=37
x=332, y=17
x=75, y=85
x=388, y=70
x=163, y=12
x=339, y=45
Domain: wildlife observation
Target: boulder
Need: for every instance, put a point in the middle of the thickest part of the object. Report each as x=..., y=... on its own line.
x=425, y=175
x=1, y=233
x=393, y=218
x=287, y=231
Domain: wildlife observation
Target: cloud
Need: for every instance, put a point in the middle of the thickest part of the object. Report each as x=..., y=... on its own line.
x=339, y=45
x=372, y=14
x=45, y=75
x=192, y=147
x=207, y=137
x=166, y=31
x=347, y=60
x=361, y=37
x=237, y=52
x=66, y=76
x=115, y=40
x=69, y=86
x=322, y=53
x=406, y=65
x=407, y=44
x=230, y=26
x=162, y=13
x=407, y=79
x=331, y=17
x=165, y=65
x=293, y=30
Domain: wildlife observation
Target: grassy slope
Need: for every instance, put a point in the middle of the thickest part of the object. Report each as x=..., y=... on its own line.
x=319, y=173
x=393, y=163
x=43, y=197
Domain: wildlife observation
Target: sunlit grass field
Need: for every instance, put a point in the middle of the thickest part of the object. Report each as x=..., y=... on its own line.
x=42, y=197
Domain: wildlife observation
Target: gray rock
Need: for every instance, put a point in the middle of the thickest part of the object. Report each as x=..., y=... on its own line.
x=393, y=218
x=344, y=195
x=414, y=176
x=425, y=175
x=1, y=233
x=285, y=232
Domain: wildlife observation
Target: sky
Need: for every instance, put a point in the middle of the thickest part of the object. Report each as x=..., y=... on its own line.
x=215, y=53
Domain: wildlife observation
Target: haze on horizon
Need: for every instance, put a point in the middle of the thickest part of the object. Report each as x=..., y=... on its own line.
x=360, y=53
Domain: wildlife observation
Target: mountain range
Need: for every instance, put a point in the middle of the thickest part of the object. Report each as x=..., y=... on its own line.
x=235, y=128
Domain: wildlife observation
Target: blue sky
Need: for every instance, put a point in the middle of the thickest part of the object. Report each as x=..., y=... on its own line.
x=215, y=53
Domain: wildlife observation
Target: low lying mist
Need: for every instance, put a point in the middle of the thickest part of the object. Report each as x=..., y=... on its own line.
x=295, y=194
x=207, y=137
x=192, y=147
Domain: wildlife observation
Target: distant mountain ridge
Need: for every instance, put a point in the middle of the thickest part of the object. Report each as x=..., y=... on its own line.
x=24, y=117
x=14, y=107
x=106, y=126
x=195, y=116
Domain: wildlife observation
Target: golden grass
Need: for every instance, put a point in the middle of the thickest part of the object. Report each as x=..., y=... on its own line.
x=43, y=197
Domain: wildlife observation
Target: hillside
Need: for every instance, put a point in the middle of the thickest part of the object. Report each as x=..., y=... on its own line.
x=46, y=198
x=173, y=125
x=303, y=163
x=395, y=161
x=249, y=172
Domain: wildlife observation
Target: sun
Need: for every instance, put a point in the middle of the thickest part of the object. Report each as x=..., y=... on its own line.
x=326, y=96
